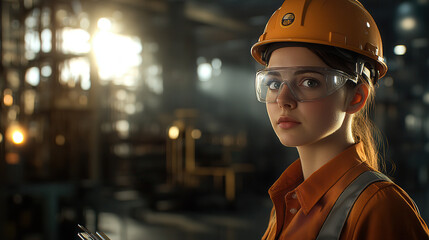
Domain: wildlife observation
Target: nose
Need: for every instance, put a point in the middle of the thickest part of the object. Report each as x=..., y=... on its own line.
x=285, y=98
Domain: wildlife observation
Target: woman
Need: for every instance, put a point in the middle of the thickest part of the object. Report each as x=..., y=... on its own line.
x=323, y=58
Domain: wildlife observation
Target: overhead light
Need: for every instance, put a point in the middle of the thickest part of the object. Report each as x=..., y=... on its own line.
x=173, y=132
x=400, y=50
x=104, y=24
x=408, y=23
x=8, y=99
x=16, y=134
x=32, y=76
x=205, y=71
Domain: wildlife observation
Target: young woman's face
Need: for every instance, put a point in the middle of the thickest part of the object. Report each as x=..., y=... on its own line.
x=304, y=123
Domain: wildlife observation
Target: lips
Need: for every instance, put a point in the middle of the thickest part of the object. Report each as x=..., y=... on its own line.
x=287, y=122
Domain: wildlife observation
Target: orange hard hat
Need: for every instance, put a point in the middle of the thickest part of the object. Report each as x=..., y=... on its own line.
x=340, y=23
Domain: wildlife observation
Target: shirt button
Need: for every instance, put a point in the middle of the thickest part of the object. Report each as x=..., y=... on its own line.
x=294, y=195
x=293, y=210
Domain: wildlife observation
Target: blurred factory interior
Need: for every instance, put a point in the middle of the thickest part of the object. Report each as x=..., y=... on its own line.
x=139, y=118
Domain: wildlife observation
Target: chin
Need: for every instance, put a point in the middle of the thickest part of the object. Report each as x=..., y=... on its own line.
x=290, y=138
x=288, y=142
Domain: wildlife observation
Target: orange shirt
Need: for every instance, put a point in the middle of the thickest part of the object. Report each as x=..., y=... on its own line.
x=382, y=211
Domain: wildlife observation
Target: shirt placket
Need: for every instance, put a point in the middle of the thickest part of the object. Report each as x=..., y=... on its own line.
x=292, y=208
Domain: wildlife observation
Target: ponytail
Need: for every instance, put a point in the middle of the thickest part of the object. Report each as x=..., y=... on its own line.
x=365, y=131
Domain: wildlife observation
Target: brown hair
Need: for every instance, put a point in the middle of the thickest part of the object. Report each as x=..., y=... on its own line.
x=363, y=128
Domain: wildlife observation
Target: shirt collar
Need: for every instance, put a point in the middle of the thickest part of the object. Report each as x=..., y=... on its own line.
x=312, y=189
x=289, y=180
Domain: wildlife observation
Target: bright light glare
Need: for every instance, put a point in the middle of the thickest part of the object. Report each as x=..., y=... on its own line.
x=173, y=132
x=15, y=133
x=75, y=41
x=46, y=37
x=32, y=76
x=85, y=84
x=204, y=71
x=74, y=70
x=32, y=44
x=104, y=24
x=400, y=50
x=408, y=23
x=117, y=57
x=17, y=137
x=31, y=21
x=122, y=126
x=46, y=71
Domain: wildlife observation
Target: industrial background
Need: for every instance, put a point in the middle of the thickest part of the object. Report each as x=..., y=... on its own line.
x=139, y=118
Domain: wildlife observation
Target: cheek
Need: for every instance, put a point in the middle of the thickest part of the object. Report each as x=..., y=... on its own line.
x=324, y=113
x=271, y=110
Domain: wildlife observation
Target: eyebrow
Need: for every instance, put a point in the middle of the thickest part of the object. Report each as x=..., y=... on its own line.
x=274, y=73
x=307, y=71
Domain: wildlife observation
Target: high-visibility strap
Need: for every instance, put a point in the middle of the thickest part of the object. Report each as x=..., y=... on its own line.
x=331, y=229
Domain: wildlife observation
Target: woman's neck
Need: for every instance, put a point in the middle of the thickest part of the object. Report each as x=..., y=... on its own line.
x=314, y=156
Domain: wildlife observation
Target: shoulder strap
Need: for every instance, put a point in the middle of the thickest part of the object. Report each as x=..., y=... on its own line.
x=337, y=217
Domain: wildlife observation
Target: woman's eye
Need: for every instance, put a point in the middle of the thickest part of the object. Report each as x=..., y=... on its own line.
x=310, y=83
x=274, y=84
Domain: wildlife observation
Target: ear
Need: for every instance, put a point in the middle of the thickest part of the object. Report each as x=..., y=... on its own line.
x=359, y=99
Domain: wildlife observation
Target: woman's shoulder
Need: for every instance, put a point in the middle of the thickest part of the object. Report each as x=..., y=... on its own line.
x=385, y=191
x=383, y=200
x=385, y=211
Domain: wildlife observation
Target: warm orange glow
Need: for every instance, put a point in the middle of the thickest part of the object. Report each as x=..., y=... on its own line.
x=173, y=132
x=60, y=140
x=8, y=100
x=16, y=134
x=12, y=158
x=17, y=137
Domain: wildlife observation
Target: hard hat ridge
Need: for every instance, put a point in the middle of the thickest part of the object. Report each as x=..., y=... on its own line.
x=344, y=24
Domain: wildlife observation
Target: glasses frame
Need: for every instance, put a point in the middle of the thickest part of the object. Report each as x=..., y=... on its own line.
x=321, y=70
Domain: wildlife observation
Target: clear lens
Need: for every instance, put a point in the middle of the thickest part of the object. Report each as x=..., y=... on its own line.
x=304, y=83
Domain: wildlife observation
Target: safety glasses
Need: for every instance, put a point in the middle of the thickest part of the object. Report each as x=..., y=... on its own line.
x=304, y=83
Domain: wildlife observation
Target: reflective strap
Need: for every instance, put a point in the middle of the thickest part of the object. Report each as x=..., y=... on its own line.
x=331, y=229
